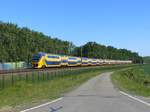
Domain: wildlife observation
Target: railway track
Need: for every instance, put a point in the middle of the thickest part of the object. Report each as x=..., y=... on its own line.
x=30, y=70
x=24, y=70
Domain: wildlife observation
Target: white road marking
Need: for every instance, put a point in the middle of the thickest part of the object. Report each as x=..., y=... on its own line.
x=42, y=105
x=134, y=98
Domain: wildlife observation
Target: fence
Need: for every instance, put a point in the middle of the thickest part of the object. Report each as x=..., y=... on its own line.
x=39, y=76
x=36, y=77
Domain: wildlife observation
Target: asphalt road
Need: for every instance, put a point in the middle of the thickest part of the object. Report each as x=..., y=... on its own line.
x=96, y=95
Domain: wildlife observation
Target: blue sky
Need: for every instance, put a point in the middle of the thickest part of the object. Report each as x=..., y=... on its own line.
x=119, y=23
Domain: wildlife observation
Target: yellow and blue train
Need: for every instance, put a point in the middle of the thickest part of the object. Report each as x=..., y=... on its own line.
x=43, y=60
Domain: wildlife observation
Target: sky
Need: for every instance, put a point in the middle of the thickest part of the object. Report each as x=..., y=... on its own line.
x=119, y=23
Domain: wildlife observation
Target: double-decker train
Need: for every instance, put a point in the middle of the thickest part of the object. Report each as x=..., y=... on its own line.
x=43, y=60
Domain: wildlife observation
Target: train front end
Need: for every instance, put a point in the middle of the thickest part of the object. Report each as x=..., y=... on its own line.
x=38, y=60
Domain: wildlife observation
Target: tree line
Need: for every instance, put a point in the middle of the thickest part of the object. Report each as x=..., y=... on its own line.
x=93, y=49
x=19, y=44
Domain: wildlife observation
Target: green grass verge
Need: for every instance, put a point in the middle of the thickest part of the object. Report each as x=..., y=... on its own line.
x=23, y=94
x=134, y=81
x=146, y=68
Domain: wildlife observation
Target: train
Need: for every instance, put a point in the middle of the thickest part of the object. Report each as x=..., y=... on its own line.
x=46, y=60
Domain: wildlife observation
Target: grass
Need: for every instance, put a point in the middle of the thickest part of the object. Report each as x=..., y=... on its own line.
x=135, y=80
x=24, y=94
x=146, y=68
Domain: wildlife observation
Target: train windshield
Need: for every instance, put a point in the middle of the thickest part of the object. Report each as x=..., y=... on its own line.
x=36, y=57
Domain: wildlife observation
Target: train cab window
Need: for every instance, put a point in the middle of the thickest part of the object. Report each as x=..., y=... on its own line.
x=36, y=57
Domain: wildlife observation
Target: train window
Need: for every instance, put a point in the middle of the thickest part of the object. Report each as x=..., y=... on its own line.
x=53, y=57
x=36, y=57
x=79, y=61
x=84, y=58
x=64, y=61
x=73, y=58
